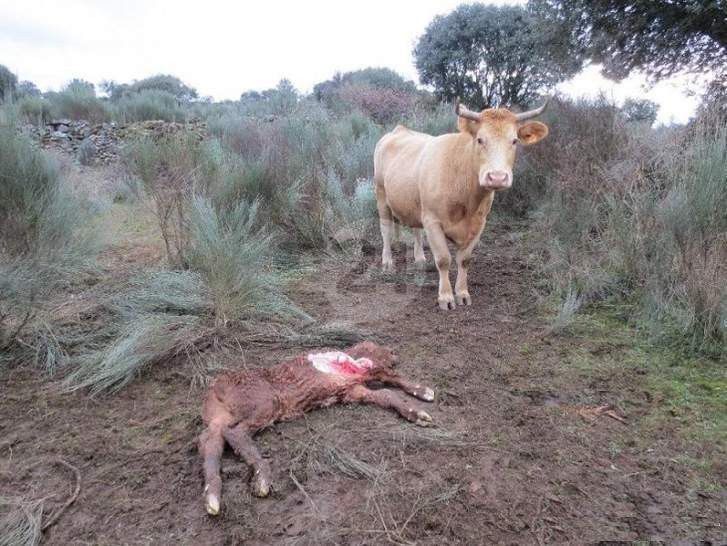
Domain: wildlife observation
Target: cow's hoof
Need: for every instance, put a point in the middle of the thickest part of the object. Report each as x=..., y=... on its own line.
x=212, y=505
x=260, y=486
x=423, y=419
x=421, y=264
x=463, y=299
x=446, y=304
x=387, y=267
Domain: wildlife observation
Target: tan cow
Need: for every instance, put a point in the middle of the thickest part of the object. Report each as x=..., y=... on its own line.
x=446, y=185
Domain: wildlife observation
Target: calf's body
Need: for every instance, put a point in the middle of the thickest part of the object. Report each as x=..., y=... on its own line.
x=241, y=403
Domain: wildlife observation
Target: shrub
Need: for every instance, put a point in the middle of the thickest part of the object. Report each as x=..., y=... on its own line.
x=382, y=105
x=78, y=101
x=148, y=104
x=45, y=237
x=235, y=259
x=637, y=215
x=34, y=109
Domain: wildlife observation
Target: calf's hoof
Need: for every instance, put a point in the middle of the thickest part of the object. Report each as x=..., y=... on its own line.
x=212, y=504
x=423, y=419
x=260, y=486
x=446, y=303
x=463, y=299
x=424, y=393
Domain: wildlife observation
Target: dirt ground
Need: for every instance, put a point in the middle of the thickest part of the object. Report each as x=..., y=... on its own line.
x=519, y=454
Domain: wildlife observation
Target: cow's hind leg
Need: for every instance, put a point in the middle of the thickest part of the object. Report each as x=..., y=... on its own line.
x=211, y=444
x=419, y=257
x=386, y=398
x=442, y=258
x=386, y=223
x=241, y=441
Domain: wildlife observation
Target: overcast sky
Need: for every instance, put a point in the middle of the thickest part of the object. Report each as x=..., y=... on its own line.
x=223, y=48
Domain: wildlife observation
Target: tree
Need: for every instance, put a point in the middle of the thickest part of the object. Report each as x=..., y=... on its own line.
x=8, y=81
x=640, y=110
x=490, y=55
x=658, y=37
x=372, y=77
x=164, y=82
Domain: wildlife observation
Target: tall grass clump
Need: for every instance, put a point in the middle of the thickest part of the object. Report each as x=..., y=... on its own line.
x=154, y=319
x=45, y=238
x=234, y=256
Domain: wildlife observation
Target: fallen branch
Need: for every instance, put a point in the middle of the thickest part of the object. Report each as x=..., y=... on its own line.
x=76, y=490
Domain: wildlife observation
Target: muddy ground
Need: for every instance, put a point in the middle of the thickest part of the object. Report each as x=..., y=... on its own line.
x=519, y=455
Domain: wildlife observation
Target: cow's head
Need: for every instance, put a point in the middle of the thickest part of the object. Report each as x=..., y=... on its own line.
x=495, y=133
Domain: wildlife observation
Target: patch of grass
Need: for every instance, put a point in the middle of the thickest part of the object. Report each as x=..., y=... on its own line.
x=690, y=391
x=20, y=522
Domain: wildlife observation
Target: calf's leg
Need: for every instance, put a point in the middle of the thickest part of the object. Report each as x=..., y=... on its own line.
x=241, y=441
x=386, y=398
x=415, y=389
x=438, y=244
x=211, y=444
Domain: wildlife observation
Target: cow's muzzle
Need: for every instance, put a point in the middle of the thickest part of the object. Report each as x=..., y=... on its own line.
x=496, y=180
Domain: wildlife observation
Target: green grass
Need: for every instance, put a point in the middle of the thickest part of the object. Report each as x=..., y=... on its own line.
x=689, y=391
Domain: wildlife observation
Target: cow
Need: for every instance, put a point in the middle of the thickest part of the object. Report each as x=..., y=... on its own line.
x=446, y=185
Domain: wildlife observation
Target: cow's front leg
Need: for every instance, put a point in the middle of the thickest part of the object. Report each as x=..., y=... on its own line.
x=464, y=257
x=438, y=244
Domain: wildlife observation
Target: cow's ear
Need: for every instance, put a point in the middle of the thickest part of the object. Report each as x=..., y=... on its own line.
x=467, y=125
x=532, y=132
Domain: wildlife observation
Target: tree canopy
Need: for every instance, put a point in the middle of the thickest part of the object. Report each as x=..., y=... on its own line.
x=161, y=82
x=490, y=55
x=659, y=37
x=374, y=77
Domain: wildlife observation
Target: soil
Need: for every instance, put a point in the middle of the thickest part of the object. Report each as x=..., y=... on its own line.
x=519, y=454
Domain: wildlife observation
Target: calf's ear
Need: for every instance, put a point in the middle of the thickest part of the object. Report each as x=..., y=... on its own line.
x=532, y=132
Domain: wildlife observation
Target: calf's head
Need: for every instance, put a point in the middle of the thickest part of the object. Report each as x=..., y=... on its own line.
x=495, y=133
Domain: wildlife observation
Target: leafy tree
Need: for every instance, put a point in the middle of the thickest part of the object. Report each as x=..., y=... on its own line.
x=165, y=82
x=372, y=77
x=642, y=110
x=8, y=81
x=489, y=55
x=80, y=87
x=659, y=37
x=113, y=89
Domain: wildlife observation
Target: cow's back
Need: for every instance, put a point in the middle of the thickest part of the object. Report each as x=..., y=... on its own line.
x=397, y=160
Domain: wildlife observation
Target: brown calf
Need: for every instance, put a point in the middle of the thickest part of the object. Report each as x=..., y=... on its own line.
x=239, y=404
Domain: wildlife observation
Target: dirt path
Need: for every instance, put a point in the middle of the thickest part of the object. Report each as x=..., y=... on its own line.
x=519, y=454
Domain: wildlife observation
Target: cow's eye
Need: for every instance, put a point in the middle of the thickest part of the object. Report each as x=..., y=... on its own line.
x=514, y=142
x=480, y=141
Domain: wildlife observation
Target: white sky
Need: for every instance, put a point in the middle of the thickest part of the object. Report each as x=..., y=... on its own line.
x=223, y=48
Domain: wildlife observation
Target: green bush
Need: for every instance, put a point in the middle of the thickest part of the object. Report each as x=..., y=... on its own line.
x=634, y=214
x=34, y=109
x=45, y=237
x=148, y=104
x=78, y=101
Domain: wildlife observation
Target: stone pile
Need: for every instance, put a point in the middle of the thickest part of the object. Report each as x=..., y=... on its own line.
x=101, y=143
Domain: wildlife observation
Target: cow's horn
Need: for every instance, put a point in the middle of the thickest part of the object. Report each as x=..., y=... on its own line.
x=532, y=113
x=463, y=112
